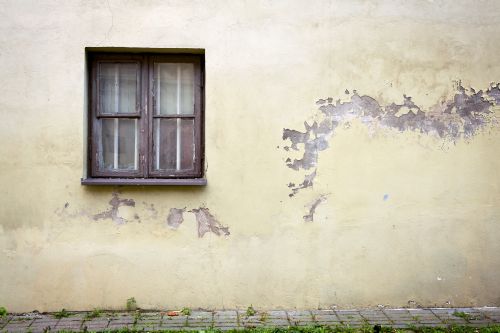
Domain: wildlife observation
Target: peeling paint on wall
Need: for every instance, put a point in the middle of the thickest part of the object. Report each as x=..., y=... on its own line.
x=308, y=182
x=312, y=208
x=205, y=219
x=463, y=116
x=175, y=217
x=151, y=209
x=208, y=223
x=112, y=213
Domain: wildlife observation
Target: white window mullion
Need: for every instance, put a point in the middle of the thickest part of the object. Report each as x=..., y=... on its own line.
x=136, y=150
x=157, y=140
x=115, y=145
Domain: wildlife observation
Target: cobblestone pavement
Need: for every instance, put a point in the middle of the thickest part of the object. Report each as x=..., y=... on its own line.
x=236, y=319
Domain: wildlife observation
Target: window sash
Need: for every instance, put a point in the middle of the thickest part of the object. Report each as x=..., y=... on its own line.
x=196, y=116
x=101, y=113
x=144, y=116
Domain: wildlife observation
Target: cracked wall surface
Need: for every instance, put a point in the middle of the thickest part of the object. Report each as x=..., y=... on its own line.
x=401, y=174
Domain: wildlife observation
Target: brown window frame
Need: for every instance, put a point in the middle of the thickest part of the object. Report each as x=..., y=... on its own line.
x=145, y=173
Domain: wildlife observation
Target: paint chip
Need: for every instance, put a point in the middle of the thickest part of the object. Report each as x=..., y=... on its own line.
x=175, y=217
x=308, y=182
x=112, y=213
x=208, y=223
x=312, y=208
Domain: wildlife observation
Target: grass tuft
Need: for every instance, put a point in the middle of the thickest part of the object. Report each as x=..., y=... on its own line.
x=62, y=314
x=94, y=314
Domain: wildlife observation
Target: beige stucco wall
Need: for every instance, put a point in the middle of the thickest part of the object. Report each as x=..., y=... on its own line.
x=404, y=217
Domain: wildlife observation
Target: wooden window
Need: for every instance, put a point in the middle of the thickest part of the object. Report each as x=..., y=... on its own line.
x=145, y=119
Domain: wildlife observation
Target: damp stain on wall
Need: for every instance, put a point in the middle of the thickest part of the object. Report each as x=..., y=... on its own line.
x=464, y=115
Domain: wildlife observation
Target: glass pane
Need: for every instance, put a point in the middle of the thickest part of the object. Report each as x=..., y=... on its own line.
x=165, y=143
x=187, y=144
x=173, y=147
x=127, y=88
x=187, y=89
x=118, y=148
x=174, y=88
x=117, y=87
x=127, y=144
x=107, y=144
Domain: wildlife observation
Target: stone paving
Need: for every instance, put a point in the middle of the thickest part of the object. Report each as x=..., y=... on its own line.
x=237, y=319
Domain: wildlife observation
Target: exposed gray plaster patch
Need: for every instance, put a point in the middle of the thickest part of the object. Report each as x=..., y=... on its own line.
x=308, y=182
x=312, y=208
x=208, y=223
x=152, y=210
x=494, y=92
x=175, y=217
x=463, y=116
x=112, y=213
x=205, y=220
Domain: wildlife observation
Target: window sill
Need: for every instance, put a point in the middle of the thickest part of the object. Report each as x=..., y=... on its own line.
x=145, y=181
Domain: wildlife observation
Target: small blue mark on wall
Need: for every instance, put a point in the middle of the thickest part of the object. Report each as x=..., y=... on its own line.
x=386, y=196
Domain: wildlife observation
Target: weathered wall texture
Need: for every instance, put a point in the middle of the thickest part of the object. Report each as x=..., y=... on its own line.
x=352, y=157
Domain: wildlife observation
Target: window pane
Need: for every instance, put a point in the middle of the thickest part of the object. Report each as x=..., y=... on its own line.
x=187, y=144
x=187, y=89
x=107, y=144
x=173, y=147
x=117, y=87
x=118, y=148
x=174, y=88
x=127, y=144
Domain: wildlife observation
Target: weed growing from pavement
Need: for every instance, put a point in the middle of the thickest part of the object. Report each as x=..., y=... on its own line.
x=94, y=314
x=250, y=311
x=62, y=314
x=131, y=304
x=465, y=316
x=186, y=311
x=137, y=317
